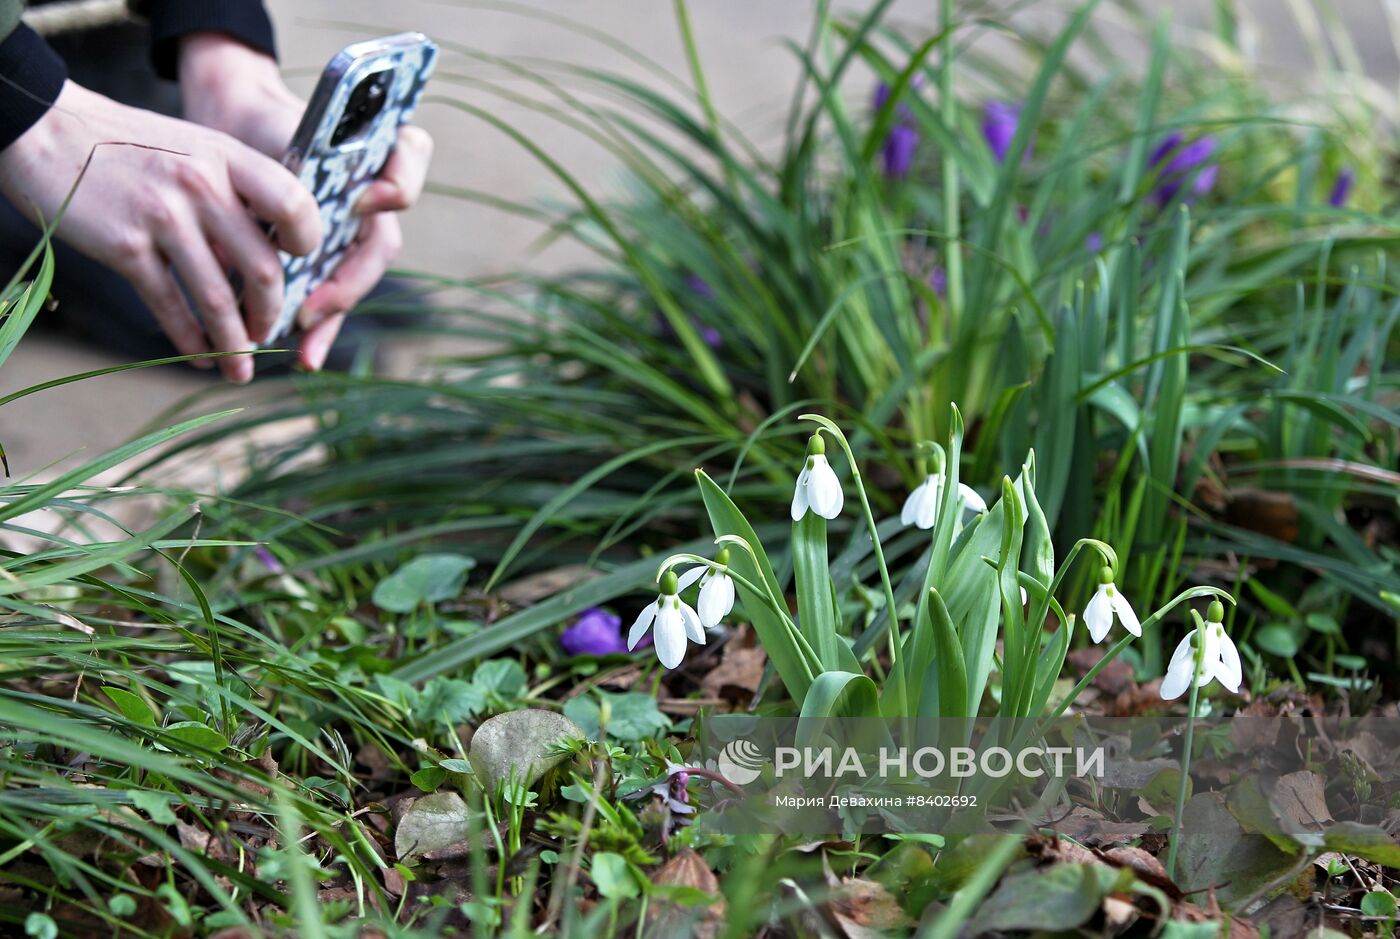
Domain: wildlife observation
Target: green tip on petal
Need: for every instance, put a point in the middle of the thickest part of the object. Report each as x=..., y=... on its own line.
x=816, y=445
x=722, y=559
x=1105, y=575
x=1215, y=613
x=669, y=585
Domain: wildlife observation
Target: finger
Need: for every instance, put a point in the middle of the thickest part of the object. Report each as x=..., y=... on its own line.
x=213, y=296
x=401, y=182
x=316, y=342
x=278, y=198
x=379, y=243
x=239, y=243
x=151, y=277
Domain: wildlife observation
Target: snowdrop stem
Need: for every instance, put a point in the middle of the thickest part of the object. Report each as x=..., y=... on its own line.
x=1113, y=652
x=894, y=632
x=1185, y=781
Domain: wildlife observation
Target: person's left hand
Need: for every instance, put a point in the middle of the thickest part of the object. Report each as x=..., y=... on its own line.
x=236, y=89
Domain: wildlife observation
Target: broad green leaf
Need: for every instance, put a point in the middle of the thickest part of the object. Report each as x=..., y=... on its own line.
x=428, y=579
x=613, y=877
x=197, y=735
x=132, y=706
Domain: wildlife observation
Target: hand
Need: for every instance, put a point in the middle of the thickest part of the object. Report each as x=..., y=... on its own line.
x=160, y=192
x=238, y=90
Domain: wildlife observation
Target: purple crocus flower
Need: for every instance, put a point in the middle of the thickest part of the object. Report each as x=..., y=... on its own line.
x=902, y=142
x=269, y=560
x=1341, y=189
x=938, y=280
x=700, y=286
x=595, y=632
x=1094, y=243
x=898, y=151
x=999, y=122
x=1182, y=163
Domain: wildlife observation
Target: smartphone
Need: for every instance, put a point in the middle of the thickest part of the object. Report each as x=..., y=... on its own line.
x=345, y=137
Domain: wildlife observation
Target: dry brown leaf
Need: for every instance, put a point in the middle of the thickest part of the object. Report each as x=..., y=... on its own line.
x=864, y=908
x=545, y=584
x=1116, y=677
x=1117, y=913
x=738, y=674
x=201, y=841
x=686, y=869
x=1089, y=827
x=1269, y=513
x=1300, y=798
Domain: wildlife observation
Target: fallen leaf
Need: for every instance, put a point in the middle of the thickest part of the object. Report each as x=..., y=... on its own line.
x=433, y=827
x=520, y=743
x=670, y=918
x=864, y=908
x=545, y=584
x=1299, y=799
x=738, y=674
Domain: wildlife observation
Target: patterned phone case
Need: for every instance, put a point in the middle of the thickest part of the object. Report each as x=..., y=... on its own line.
x=338, y=173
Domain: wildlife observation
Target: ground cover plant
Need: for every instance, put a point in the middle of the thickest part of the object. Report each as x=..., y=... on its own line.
x=991, y=393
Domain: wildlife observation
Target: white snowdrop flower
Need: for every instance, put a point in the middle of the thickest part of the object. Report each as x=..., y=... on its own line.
x=1219, y=659
x=671, y=621
x=716, y=592
x=817, y=487
x=921, y=508
x=1106, y=603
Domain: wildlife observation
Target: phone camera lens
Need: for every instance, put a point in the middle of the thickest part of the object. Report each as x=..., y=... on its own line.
x=366, y=101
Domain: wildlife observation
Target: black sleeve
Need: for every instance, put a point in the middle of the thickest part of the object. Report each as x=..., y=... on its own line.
x=244, y=20
x=31, y=76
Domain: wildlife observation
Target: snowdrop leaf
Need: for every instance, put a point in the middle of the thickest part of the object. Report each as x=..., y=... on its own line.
x=783, y=652
x=816, y=617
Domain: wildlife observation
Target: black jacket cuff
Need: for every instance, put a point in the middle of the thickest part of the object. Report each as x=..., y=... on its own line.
x=31, y=76
x=244, y=20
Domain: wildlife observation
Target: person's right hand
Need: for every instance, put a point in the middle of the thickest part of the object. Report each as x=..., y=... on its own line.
x=184, y=196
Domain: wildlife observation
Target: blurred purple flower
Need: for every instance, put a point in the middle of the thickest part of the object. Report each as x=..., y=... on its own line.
x=700, y=286
x=938, y=280
x=999, y=122
x=898, y=151
x=902, y=142
x=1190, y=162
x=1341, y=189
x=269, y=560
x=1094, y=243
x=596, y=632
